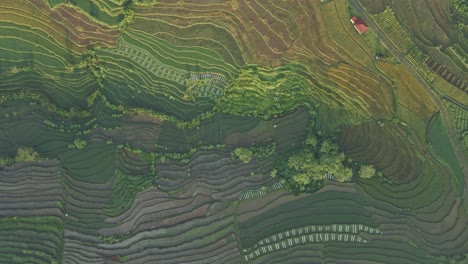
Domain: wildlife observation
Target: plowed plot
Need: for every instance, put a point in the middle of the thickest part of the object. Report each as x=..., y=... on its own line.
x=385, y=146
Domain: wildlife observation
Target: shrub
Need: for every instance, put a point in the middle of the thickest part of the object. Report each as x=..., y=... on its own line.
x=80, y=143
x=26, y=154
x=243, y=154
x=367, y=171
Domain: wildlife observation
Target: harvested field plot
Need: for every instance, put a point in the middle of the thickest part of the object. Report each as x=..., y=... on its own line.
x=199, y=131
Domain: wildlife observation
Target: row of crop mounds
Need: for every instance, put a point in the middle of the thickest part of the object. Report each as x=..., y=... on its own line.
x=338, y=204
x=447, y=75
x=319, y=210
x=211, y=85
x=31, y=213
x=309, y=234
x=152, y=73
x=260, y=192
x=192, y=223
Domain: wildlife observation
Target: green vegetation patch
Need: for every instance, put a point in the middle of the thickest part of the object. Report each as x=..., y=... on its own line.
x=439, y=139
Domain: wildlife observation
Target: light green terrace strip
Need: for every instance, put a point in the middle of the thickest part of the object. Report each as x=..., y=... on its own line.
x=260, y=192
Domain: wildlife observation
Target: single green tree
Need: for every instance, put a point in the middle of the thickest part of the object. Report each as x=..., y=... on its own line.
x=311, y=140
x=243, y=154
x=273, y=173
x=367, y=171
x=302, y=178
x=5, y=161
x=80, y=143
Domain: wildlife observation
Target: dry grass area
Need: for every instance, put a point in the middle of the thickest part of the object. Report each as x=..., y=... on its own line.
x=409, y=93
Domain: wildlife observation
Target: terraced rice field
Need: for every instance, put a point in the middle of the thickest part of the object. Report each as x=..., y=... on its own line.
x=118, y=119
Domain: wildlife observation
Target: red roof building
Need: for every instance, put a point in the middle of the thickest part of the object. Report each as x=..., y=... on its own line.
x=359, y=25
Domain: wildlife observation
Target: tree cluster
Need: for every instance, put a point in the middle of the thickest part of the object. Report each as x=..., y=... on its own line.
x=306, y=168
x=26, y=154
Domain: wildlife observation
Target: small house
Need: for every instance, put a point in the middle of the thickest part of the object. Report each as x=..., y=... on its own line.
x=359, y=25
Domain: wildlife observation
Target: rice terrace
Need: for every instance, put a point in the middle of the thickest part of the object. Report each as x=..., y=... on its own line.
x=233, y=131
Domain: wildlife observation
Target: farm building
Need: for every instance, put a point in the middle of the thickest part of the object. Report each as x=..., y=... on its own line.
x=359, y=25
